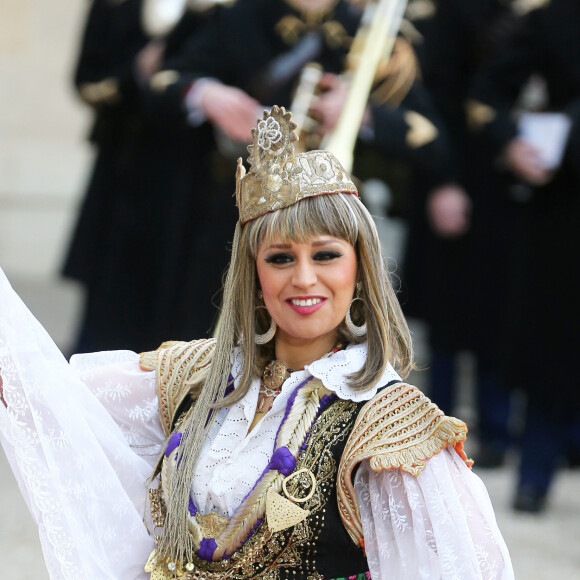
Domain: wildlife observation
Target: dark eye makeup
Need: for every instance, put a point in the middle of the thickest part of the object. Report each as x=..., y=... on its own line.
x=280, y=258
x=326, y=255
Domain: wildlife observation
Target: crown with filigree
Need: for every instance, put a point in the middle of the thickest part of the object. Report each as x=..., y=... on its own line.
x=277, y=177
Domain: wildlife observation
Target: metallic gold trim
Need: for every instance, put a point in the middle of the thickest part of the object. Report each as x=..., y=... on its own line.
x=277, y=177
x=399, y=428
x=282, y=513
x=265, y=552
x=211, y=524
x=162, y=79
x=421, y=130
x=177, y=365
x=478, y=114
x=105, y=91
x=292, y=476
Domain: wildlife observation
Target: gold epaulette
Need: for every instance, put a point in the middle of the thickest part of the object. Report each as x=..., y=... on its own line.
x=396, y=74
x=399, y=428
x=177, y=365
x=101, y=92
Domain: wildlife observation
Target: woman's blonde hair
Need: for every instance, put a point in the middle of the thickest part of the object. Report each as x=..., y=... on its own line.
x=388, y=337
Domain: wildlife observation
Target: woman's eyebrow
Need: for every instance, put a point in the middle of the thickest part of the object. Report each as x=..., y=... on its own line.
x=318, y=242
x=325, y=241
x=280, y=246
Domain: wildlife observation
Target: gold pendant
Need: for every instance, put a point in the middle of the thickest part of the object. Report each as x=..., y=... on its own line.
x=281, y=513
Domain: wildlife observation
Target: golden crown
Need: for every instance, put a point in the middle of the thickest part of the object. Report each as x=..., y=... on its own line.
x=277, y=178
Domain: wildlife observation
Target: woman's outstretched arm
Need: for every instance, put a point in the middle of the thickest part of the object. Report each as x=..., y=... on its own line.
x=81, y=479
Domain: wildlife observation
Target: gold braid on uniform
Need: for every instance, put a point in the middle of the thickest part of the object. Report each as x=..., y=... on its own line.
x=399, y=428
x=177, y=366
x=395, y=76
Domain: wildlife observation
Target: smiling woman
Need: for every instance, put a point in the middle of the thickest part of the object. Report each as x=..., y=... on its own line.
x=307, y=288
x=291, y=447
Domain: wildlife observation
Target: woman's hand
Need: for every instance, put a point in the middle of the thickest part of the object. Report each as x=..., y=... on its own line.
x=449, y=210
x=231, y=109
x=524, y=160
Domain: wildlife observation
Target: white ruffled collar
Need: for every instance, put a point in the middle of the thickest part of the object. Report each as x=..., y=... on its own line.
x=334, y=370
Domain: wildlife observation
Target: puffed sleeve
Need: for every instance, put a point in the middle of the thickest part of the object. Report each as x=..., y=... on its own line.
x=79, y=474
x=128, y=394
x=439, y=524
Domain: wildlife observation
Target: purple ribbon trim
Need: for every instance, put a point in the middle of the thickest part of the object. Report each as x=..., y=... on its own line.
x=192, y=507
x=283, y=461
x=207, y=547
x=230, y=387
x=174, y=442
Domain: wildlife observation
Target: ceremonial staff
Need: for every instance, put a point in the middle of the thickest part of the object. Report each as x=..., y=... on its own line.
x=379, y=28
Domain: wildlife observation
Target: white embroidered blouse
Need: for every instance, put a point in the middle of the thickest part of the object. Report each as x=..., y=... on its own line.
x=82, y=439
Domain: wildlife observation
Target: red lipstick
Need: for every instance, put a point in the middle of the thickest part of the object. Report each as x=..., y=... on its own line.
x=305, y=305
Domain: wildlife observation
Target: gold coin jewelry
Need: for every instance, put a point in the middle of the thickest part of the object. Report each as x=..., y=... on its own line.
x=273, y=378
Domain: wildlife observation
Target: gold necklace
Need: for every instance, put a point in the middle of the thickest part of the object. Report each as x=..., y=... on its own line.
x=274, y=376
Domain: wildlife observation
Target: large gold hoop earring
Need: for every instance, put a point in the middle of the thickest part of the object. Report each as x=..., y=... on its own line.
x=355, y=330
x=270, y=333
x=352, y=327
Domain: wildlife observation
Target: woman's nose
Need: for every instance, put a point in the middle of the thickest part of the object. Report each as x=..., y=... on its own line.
x=304, y=275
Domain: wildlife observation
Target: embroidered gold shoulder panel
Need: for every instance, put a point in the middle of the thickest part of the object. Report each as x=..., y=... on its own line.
x=177, y=365
x=398, y=428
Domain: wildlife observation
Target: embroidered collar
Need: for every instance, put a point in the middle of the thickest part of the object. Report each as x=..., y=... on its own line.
x=334, y=370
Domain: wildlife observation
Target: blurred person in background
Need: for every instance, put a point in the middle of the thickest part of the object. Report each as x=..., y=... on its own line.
x=542, y=151
x=269, y=44
x=105, y=80
x=142, y=210
x=455, y=267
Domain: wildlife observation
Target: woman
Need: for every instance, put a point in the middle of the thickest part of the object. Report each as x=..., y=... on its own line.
x=294, y=406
